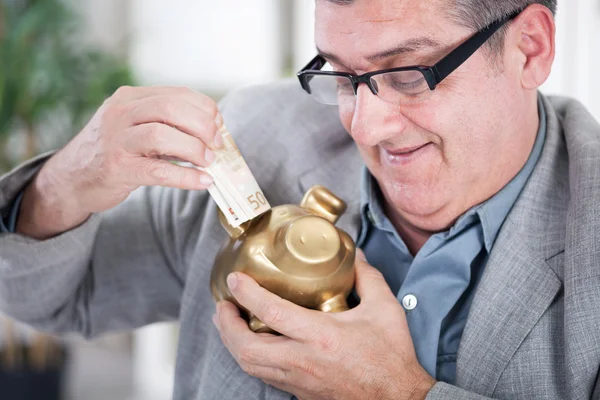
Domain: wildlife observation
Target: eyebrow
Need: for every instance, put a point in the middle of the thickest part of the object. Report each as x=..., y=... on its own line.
x=406, y=47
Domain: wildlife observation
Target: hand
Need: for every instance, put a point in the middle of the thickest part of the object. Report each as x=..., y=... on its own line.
x=125, y=145
x=363, y=353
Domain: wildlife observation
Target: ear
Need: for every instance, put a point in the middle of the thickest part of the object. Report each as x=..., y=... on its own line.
x=533, y=36
x=322, y=202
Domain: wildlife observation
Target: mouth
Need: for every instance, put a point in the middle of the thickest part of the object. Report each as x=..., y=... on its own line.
x=405, y=154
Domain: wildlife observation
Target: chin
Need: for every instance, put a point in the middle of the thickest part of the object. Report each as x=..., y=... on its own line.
x=418, y=205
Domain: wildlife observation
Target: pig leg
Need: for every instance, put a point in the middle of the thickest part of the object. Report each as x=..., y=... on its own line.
x=256, y=325
x=335, y=304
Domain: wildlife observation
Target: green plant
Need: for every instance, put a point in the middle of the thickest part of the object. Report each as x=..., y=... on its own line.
x=46, y=70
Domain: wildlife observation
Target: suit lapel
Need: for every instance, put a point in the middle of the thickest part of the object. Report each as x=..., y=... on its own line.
x=521, y=279
x=516, y=289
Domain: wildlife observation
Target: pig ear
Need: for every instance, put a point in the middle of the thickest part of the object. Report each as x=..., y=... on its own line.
x=234, y=233
x=322, y=202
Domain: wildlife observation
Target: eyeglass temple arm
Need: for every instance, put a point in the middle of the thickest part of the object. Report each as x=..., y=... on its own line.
x=315, y=64
x=456, y=58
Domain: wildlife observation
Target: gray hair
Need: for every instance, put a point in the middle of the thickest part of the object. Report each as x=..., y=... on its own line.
x=477, y=14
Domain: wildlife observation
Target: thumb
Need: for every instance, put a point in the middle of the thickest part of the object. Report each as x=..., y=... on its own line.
x=370, y=283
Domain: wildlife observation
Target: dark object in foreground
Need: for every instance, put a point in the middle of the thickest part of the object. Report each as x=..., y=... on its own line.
x=27, y=382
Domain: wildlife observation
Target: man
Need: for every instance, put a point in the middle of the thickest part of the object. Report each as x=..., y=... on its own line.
x=473, y=196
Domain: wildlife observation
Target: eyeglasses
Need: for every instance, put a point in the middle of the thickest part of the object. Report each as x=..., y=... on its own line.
x=397, y=85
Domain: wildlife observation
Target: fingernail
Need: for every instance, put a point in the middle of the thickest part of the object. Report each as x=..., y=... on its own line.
x=219, y=121
x=215, y=320
x=206, y=180
x=218, y=142
x=209, y=156
x=232, y=281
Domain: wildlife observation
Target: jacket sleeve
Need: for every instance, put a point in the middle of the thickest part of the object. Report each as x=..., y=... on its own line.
x=444, y=391
x=119, y=270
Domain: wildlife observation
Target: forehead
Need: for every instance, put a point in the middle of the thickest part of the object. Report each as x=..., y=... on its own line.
x=371, y=26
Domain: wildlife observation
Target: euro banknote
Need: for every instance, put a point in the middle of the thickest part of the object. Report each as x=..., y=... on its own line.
x=235, y=189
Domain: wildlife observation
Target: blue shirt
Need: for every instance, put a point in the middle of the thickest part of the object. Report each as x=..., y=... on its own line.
x=436, y=286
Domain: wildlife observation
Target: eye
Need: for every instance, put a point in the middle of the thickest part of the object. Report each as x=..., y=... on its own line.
x=408, y=82
x=344, y=85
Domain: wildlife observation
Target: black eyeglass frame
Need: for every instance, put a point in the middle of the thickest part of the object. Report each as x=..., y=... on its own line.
x=434, y=74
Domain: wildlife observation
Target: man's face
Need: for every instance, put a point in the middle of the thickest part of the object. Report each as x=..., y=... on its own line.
x=464, y=132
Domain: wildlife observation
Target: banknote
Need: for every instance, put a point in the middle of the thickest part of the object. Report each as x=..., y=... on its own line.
x=235, y=189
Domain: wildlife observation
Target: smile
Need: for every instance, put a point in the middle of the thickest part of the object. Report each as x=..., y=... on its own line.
x=405, y=155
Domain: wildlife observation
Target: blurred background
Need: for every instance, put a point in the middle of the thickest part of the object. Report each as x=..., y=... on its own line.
x=60, y=59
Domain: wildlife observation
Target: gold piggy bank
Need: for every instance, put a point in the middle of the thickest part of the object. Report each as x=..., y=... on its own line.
x=294, y=251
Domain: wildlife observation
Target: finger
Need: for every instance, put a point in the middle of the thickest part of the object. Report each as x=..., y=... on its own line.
x=279, y=314
x=171, y=158
x=177, y=112
x=156, y=140
x=247, y=347
x=370, y=283
x=279, y=385
x=128, y=94
x=154, y=172
x=265, y=373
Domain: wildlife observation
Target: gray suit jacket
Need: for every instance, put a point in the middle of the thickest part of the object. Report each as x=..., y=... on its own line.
x=534, y=327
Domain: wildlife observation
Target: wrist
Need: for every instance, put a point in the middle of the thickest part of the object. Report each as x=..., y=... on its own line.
x=422, y=387
x=49, y=206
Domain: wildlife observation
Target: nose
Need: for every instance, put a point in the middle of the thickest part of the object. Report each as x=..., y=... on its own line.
x=374, y=121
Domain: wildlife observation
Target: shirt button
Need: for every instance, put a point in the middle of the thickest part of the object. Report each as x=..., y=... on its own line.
x=409, y=302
